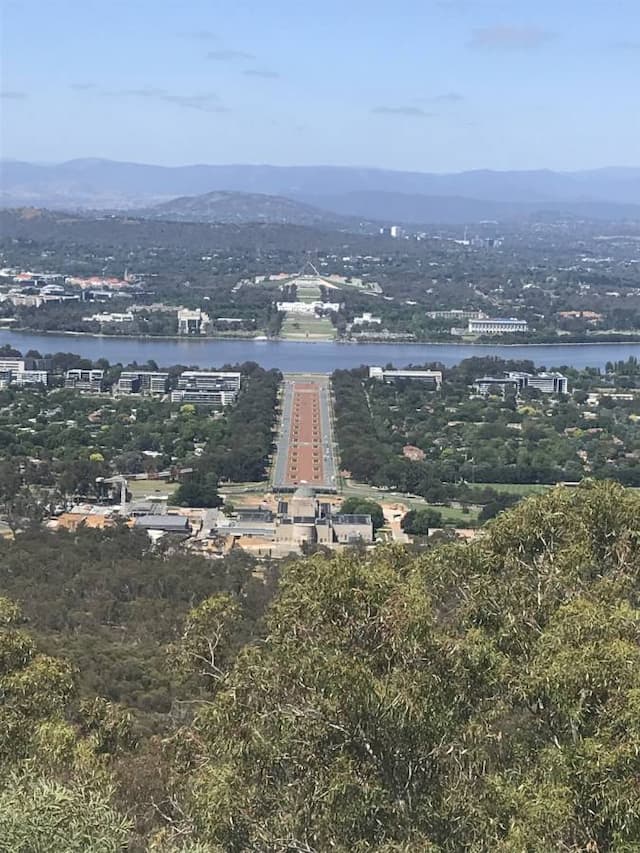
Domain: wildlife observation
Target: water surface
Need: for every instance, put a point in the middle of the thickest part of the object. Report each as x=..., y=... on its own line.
x=303, y=357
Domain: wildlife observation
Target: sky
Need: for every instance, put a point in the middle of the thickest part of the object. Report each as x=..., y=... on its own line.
x=428, y=85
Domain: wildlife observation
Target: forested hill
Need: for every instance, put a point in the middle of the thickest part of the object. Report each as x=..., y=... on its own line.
x=475, y=697
x=236, y=207
x=104, y=230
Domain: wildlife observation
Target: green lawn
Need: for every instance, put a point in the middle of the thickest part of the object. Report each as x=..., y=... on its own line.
x=300, y=327
x=150, y=488
x=450, y=515
x=308, y=293
x=517, y=488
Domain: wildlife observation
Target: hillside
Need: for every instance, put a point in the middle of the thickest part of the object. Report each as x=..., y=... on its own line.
x=474, y=697
x=240, y=207
x=105, y=184
x=415, y=209
x=100, y=229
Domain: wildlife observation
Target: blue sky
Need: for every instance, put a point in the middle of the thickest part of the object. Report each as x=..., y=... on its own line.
x=431, y=85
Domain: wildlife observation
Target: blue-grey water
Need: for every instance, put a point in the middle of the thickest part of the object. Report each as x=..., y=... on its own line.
x=303, y=357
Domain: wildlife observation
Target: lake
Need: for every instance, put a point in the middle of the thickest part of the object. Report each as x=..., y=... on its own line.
x=303, y=357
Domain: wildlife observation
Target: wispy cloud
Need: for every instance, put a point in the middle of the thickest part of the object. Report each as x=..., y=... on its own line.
x=229, y=55
x=208, y=102
x=448, y=98
x=261, y=72
x=454, y=5
x=11, y=95
x=145, y=92
x=410, y=112
x=201, y=35
x=627, y=45
x=505, y=37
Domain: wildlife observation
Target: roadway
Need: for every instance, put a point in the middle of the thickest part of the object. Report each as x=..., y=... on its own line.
x=305, y=448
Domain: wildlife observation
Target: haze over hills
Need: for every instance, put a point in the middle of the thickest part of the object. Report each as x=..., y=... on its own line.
x=412, y=208
x=241, y=207
x=410, y=197
x=92, y=228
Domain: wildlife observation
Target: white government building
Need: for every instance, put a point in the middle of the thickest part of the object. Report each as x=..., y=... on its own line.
x=192, y=322
x=496, y=325
x=307, y=307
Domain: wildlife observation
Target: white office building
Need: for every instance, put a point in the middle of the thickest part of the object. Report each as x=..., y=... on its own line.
x=192, y=322
x=143, y=382
x=497, y=326
x=366, y=317
x=30, y=377
x=433, y=377
x=11, y=365
x=84, y=380
x=307, y=308
x=546, y=383
x=207, y=387
x=110, y=317
x=456, y=314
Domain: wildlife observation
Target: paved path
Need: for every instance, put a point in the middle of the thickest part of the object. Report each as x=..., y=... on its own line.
x=305, y=453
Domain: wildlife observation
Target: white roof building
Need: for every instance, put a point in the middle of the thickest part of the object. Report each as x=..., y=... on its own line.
x=192, y=321
x=366, y=317
x=384, y=375
x=497, y=326
x=307, y=307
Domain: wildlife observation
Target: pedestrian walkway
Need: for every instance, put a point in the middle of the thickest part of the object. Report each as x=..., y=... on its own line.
x=305, y=452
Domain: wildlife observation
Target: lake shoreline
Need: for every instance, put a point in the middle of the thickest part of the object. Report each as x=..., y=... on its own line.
x=309, y=356
x=336, y=341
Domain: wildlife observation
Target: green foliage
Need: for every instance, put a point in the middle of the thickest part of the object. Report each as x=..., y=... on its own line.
x=109, y=726
x=480, y=697
x=33, y=688
x=108, y=604
x=468, y=441
x=418, y=522
x=363, y=506
x=39, y=816
x=208, y=637
x=54, y=446
x=243, y=453
x=498, y=504
x=200, y=492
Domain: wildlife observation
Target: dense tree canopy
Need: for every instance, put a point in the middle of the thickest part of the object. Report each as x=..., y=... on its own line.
x=364, y=506
x=54, y=446
x=110, y=605
x=420, y=521
x=480, y=697
x=475, y=697
x=467, y=439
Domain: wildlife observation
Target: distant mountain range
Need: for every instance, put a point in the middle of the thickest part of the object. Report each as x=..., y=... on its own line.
x=268, y=192
x=405, y=208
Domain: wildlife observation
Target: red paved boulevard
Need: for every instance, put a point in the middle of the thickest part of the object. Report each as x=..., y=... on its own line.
x=304, y=460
